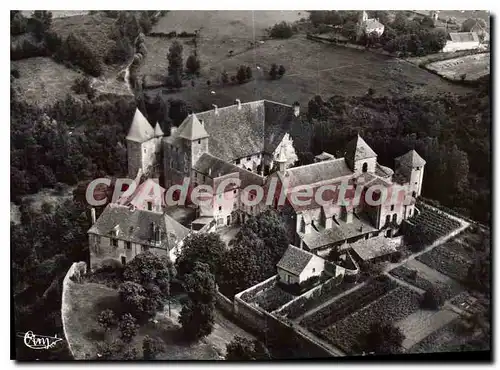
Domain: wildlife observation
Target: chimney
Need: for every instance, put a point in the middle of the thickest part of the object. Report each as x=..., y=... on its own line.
x=173, y=129
x=92, y=215
x=209, y=171
x=238, y=101
x=296, y=109
x=215, y=109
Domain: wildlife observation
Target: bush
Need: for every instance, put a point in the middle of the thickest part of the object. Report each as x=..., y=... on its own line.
x=82, y=85
x=75, y=50
x=128, y=327
x=14, y=73
x=432, y=299
x=107, y=320
x=396, y=257
x=281, y=30
x=151, y=347
x=273, y=72
x=193, y=64
x=281, y=71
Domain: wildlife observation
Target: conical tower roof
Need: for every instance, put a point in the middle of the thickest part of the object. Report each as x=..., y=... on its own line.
x=411, y=159
x=140, y=130
x=192, y=129
x=358, y=149
x=158, y=130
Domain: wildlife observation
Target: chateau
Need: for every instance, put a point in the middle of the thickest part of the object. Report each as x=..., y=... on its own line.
x=250, y=142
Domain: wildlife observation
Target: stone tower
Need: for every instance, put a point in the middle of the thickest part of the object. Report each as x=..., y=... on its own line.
x=411, y=167
x=281, y=160
x=183, y=148
x=360, y=157
x=143, y=147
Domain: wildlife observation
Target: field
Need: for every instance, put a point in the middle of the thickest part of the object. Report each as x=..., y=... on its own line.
x=311, y=67
x=472, y=66
x=391, y=307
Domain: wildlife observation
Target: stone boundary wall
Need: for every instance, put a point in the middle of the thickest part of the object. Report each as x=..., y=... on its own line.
x=76, y=270
x=349, y=45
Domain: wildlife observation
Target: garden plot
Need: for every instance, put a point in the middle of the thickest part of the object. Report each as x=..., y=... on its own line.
x=422, y=323
x=273, y=298
x=344, y=306
x=468, y=68
x=393, y=306
x=446, y=261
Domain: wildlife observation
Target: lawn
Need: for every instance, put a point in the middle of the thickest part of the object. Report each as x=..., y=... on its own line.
x=87, y=300
x=391, y=307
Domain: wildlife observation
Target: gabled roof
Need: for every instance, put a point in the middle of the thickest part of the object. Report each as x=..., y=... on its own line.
x=192, y=128
x=318, y=172
x=372, y=24
x=256, y=127
x=217, y=167
x=158, y=130
x=140, y=130
x=357, y=150
x=143, y=191
x=294, y=260
x=411, y=159
x=136, y=226
x=324, y=156
x=464, y=36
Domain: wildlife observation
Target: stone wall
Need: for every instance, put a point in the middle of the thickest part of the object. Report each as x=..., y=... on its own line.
x=76, y=270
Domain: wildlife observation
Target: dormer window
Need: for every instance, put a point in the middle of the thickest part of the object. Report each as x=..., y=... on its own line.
x=418, y=168
x=150, y=206
x=392, y=208
x=114, y=242
x=237, y=161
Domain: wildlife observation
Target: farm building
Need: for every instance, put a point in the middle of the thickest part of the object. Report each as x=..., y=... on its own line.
x=369, y=25
x=461, y=41
x=298, y=265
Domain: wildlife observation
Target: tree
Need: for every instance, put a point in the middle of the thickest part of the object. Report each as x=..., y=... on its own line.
x=273, y=72
x=224, y=77
x=151, y=347
x=193, y=64
x=427, y=22
x=201, y=247
x=471, y=22
x=281, y=30
x=107, y=319
x=175, y=64
x=350, y=30
x=241, y=75
x=18, y=23
x=197, y=314
x=432, y=299
x=243, y=349
x=383, y=338
x=254, y=253
x=248, y=72
x=147, y=284
x=281, y=70
x=42, y=21
x=145, y=22
x=128, y=327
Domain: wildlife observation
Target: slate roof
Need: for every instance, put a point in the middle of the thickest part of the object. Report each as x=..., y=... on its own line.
x=191, y=128
x=373, y=248
x=220, y=168
x=294, y=260
x=383, y=171
x=143, y=191
x=464, y=37
x=259, y=126
x=140, y=130
x=337, y=233
x=357, y=149
x=411, y=159
x=136, y=226
x=318, y=172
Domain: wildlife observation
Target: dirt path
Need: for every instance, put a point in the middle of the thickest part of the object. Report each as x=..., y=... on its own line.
x=404, y=283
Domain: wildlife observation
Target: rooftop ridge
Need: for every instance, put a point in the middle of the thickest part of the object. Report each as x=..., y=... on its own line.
x=315, y=164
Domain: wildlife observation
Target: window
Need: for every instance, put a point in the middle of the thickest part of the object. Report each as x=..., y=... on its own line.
x=114, y=242
x=144, y=248
x=249, y=158
x=150, y=206
x=365, y=167
x=288, y=279
x=220, y=208
x=203, y=178
x=414, y=194
x=416, y=182
x=395, y=218
x=128, y=245
x=237, y=161
x=314, y=270
x=199, y=141
x=234, y=191
x=123, y=260
x=392, y=208
x=144, y=150
x=418, y=168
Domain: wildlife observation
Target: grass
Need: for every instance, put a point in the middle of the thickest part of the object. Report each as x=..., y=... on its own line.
x=42, y=81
